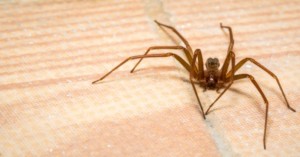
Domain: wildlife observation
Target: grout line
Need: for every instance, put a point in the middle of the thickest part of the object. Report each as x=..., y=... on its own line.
x=221, y=146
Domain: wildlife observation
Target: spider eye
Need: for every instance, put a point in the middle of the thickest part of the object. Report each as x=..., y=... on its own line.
x=216, y=61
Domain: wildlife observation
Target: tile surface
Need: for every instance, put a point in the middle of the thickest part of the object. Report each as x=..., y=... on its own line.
x=51, y=51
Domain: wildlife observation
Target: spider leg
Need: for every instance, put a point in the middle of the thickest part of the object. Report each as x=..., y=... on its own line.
x=188, y=55
x=230, y=47
x=242, y=62
x=228, y=57
x=242, y=76
x=207, y=111
x=178, y=58
x=230, y=79
x=197, y=53
x=200, y=63
x=178, y=34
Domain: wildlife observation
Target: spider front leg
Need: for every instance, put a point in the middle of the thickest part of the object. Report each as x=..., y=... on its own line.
x=230, y=47
x=230, y=80
x=228, y=57
x=186, y=52
x=242, y=76
x=178, y=34
x=200, y=61
x=178, y=58
x=242, y=62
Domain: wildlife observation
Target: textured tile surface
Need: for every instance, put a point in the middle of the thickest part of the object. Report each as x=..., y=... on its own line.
x=51, y=51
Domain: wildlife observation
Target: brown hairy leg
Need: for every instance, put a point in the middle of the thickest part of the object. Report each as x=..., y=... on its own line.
x=186, y=43
x=178, y=58
x=196, y=54
x=186, y=52
x=230, y=80
x=242, y=76
x=228, y=57
x=242, y=62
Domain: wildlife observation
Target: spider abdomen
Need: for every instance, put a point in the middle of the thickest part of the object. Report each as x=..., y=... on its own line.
x=211, y=78
x=211, y=82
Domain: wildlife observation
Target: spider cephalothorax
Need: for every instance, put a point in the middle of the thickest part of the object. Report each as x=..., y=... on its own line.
x=212, y=77
x=212, y=64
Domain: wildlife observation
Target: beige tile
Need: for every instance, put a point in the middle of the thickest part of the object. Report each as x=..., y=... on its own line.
x=51, y=51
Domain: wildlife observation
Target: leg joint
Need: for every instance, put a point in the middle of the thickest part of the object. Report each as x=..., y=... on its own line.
x=250, y=77
x=232, y=54
x=249, y=59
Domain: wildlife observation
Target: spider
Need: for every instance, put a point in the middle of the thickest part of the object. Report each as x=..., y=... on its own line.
x=213, y=77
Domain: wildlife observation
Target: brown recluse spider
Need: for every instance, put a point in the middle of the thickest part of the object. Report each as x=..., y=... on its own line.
x=212, y=77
